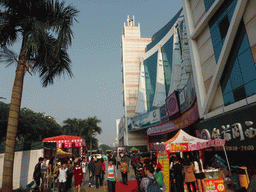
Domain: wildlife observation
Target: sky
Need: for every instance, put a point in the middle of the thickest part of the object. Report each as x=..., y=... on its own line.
x=96, y=88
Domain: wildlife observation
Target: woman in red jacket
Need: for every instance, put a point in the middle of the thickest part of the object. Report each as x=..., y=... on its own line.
x=103, y=171
x=78, y=174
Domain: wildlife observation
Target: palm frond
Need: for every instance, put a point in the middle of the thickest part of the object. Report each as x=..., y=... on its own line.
x=8, y=56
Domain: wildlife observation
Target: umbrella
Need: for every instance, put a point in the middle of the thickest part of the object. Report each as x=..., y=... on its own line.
x=134, y=149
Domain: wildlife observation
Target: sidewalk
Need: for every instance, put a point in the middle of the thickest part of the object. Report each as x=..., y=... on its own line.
x=131, y=176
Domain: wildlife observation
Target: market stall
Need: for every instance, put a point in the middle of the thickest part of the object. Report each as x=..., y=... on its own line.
x=68, y=142
x=183, y=142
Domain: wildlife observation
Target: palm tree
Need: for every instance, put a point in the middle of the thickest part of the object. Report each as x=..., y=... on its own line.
x=86, y=128
x=93, y=129
x=45, y=29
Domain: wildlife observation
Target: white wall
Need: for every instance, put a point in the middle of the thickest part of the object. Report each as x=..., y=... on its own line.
x=24, y=164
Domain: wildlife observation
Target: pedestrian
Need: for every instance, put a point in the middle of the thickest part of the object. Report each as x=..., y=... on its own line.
x=98, y=172
x=55, y=174
x=78, y=175
x=149, y=183
x=91, y=172
x=84, y=165
x=62, y=177
x=199, y=174
x=178, y=176
x=112, y=176
x=124, y=168
x=103, y=171
x=139, y=171
x=118, y=161
x=160, y=177
x=37, y=174
x=134, y=163
x=69, y=174
x=44, y=166
x=190, y=178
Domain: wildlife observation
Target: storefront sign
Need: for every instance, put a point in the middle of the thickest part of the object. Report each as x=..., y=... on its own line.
x=183, y=147
x=182, y=121
x=237, y=128
x=163, y=158
x=144, y=120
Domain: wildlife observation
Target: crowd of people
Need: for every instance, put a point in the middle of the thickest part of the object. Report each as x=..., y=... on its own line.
x=148, y=173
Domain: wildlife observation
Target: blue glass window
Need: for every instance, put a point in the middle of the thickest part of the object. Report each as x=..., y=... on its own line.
x=228, y=98
x=236, y=76
x=250, y=88
x=247, y=65
x=239, y=76
x=208, y=4
x=219, y=24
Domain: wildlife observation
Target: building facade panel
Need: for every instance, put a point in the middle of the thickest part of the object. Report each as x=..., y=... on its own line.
x=198, y=12
x=205, y=35
x=208, y=68
x=206, y=51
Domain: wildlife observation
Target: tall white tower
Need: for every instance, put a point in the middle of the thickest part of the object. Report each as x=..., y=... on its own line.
x=133, y=46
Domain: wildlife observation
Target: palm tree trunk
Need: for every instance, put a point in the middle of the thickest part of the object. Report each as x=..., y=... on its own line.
x=7, y=183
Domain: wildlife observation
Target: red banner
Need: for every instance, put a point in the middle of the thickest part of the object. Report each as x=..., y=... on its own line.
x=79, y=144
x=68, y=145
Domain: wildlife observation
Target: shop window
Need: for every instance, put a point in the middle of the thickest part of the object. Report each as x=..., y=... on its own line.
x=223, y=27
x=239, y=93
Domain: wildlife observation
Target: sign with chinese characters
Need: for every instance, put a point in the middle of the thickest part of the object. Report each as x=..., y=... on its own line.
x=186, y=119
x=237, y=128
x=144, y=120
x=212, y=185
x=164, y=159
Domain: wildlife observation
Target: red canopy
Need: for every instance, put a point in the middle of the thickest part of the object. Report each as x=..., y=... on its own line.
x=63, y=138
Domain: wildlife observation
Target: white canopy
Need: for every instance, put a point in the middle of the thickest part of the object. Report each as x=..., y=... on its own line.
x=185, y=142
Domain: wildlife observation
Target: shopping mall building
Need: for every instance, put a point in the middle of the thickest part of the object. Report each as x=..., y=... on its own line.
x=197, y=73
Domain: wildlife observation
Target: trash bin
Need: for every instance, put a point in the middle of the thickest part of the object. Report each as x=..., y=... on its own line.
x=243, y=177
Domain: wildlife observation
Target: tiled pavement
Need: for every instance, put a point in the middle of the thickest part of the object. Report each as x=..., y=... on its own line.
x=131, y=176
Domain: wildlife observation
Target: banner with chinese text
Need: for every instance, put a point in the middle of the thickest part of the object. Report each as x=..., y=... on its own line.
x=164, y=160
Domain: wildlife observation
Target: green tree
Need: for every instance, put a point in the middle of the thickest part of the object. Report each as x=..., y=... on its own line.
x=45, y=30
x=93, y=129
x=105, y=147
x=86, y=128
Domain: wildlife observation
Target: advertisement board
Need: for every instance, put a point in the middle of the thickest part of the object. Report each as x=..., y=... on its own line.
x=163, y=158
x=237, y=128
x=163, y=114
x=144, y=120
x=187, y=95
x=182, y=121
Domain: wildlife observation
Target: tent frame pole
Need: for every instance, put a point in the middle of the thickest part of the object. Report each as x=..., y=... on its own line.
x=226, y=157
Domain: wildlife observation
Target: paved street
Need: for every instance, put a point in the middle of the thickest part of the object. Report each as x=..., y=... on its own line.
x=131, y=176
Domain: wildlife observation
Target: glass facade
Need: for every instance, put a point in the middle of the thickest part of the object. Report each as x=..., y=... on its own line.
x=208, y=4
x=163, y=31
x=219, y=25
x=167, y=61
x=150, y=78
x=239, y=77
